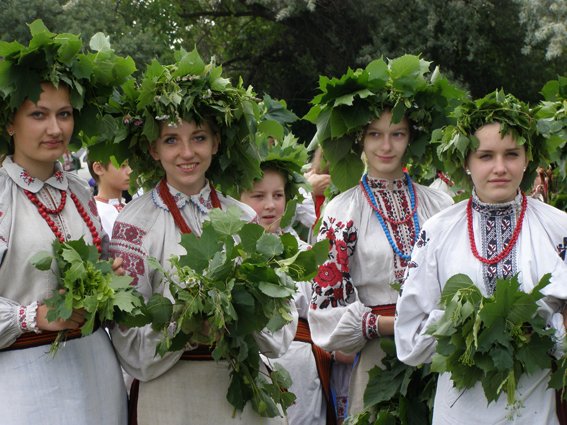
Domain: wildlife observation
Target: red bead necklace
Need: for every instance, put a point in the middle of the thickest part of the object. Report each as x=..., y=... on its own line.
x=168, y=200
x=510, y=244
x=44, y=212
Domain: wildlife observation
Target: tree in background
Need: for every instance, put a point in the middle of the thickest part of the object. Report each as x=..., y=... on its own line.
x=282, y=46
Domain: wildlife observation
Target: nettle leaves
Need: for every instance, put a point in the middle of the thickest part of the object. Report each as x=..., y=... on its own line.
x=235, y=281
x=86, y=282
x=59, y=59
x=492, y=340
x=347, y=104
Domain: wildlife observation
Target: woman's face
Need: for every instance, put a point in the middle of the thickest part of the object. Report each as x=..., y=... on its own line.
x=42, y=130
x=267, y=198
x=385, y=144
x=185, y=152
x=497, y=166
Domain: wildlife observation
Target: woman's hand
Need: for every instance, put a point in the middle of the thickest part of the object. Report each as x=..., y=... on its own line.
x=117, y=266
x=76, y=320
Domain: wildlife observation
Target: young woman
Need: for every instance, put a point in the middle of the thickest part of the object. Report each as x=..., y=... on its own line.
x=39, y=202
x=184, y=385
x=371, y=229
x=498, y=233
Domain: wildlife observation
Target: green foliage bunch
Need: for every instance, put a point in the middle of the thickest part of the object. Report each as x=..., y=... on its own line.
x=492, y=340
x=187, y=90
x=58, y=59
x=86, y=282
x=346, y=105
x=397, y=394
x=457, y=141
x=226, y=291
x=551, y=115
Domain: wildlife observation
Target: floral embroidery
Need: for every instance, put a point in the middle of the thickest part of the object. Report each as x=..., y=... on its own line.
x=58, y=176
x=332, y=286
x=126, y=232
x=329, y=275
x=341, y=406
x=370, y=325
x=126, y=242
x=25, y=176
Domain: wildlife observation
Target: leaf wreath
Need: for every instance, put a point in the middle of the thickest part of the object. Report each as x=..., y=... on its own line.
x=456, y=141
x=187, y=90
x=57, y=59
x=347, y=104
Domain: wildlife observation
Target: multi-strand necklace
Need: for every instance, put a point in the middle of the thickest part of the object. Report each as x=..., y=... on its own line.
x=45, y=212
x=168, y=200
x=382, y=218
x=508, y=248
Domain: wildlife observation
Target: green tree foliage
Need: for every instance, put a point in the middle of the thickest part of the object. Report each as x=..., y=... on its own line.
x=282, y=46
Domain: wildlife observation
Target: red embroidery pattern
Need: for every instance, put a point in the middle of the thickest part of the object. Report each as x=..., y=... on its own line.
x=25, y=176
x=126, y=242
x=333, y=286
x=58, y=176
x=370, y=325
x=92, y=207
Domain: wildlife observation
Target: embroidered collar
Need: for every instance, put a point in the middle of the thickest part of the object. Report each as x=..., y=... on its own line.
x=24, y=180
x=496, y=210
x=202, y=200
x=385, y=184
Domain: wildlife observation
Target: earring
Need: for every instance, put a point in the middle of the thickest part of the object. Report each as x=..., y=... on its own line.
x=468, y=172
x=524, y=169
x=11, y=132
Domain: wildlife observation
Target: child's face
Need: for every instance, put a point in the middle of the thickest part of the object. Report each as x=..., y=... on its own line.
x=185, y=152
x=267, y=198
x=119, y=178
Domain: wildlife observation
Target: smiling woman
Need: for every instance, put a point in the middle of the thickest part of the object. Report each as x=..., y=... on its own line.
x=40, y=203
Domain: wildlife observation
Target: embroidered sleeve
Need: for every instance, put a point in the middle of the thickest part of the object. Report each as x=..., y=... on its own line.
x=27, y=318
x=332, y=287
x=126, y=242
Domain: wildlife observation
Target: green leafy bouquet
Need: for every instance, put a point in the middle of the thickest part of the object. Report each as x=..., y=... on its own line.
x=226, y=291
x=492, y=340
x=86, y=282
x=396, y=394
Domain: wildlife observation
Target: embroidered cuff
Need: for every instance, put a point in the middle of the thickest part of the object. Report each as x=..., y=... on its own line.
x=370, y=325
x=27, y=318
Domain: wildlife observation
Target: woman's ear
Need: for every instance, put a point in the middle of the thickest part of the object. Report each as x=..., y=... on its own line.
x=216, y=143
x=153, y=151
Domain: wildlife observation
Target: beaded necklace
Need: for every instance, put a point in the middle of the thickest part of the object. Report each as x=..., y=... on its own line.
x=168, y=200
x=381, y=217
x=504, y=253
x=44, y=212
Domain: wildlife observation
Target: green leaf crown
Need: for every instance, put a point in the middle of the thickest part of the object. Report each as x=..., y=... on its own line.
x=346, y=105
x=456, y=141
x=58, y=58
x=278, y=147
x=187, y=90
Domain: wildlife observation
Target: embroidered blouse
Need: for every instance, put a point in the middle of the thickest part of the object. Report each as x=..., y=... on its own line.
x=146, y=228
x=362, y=265
x=23, y=233
x=443, y=250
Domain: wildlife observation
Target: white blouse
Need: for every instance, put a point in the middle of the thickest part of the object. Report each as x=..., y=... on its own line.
x=145, y=228
x=82, y=383
x=442, y=251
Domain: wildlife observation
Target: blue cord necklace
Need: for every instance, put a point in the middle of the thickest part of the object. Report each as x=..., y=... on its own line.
x=413, y=203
